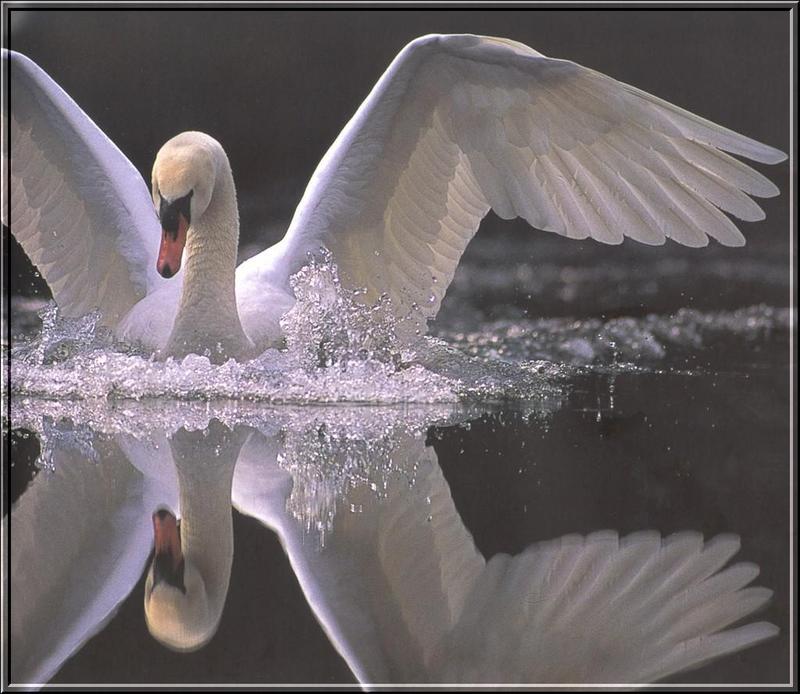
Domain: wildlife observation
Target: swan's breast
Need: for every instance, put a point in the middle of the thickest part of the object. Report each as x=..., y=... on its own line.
x=149, y=323
x=261, y=306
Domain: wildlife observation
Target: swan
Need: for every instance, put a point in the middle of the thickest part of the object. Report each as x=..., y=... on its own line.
x=456, y=126
x=79, y=538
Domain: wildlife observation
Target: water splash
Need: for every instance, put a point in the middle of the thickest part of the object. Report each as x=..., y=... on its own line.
x=330, y=459
x=328, y=451
x=273, y=378
x=59, y=436
x=340, y=349
x=330, y=325
x=62, y=338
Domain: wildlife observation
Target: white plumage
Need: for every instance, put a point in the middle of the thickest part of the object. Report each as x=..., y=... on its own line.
x=456, y=125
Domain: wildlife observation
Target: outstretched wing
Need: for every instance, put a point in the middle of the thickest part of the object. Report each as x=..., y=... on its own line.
x=78, y=207
x=461, y=124
x=603, y=609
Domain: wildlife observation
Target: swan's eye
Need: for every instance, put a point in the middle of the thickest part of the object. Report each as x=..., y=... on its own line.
x=170, y=210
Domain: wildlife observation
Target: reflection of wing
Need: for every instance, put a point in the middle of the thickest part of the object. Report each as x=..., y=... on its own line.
x=404, y=595
x=423, y=566
x=152, y=457
x=79, y=538
x=388, y=583
x=79, y=208
x=603, y=609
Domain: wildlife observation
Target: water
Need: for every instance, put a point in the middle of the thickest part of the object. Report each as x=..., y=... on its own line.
x=563, y=391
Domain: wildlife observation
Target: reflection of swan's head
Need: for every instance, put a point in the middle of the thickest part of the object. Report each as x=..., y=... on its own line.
x=184, y=177
x=176, y=604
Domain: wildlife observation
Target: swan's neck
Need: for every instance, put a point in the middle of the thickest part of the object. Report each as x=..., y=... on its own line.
x=208, y=321
x=211, y=246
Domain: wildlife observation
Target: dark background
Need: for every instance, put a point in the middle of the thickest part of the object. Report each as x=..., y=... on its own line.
x=275, y=87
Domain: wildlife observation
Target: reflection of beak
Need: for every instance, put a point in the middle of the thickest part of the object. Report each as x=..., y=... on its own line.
x=168, y=560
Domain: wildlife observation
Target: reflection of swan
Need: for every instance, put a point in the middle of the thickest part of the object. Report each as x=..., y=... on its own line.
x=81, y=534
x=369, y=525
x=188, y=581
x=457, y=125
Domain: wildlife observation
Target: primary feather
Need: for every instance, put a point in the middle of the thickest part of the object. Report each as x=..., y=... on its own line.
x=406, y=596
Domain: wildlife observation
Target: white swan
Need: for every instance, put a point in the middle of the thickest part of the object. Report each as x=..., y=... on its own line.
x=457, y=125
x=79, y=538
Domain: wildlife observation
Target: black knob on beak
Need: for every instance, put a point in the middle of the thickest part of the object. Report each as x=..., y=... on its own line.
x=169, y=211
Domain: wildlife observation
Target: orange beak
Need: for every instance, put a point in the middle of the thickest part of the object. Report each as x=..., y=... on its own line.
x=171, y=250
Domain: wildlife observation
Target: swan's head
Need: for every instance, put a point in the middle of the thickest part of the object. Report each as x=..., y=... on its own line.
x=184, y=175
x=176, y=605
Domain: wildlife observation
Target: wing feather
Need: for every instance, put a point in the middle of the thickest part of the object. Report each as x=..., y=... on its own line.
x=79, y=538
x=77, y=206
x=460, y=124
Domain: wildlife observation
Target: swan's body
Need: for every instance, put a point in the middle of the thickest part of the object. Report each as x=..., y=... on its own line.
x=457, y=125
